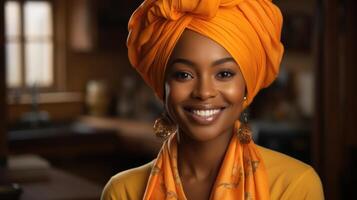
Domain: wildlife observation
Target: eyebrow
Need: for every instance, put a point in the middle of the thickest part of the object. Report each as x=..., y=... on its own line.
x=190, y=63
x=223, y=60
x=183, y=61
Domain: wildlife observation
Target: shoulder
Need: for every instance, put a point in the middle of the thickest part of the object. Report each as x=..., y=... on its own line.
x=290, y=178
x=129, y=184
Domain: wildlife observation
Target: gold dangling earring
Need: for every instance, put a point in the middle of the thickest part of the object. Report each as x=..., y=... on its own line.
x=164, y=127
x=244, y=131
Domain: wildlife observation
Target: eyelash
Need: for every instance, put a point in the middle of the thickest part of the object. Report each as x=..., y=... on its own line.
x=225, y=74
x=183, y=76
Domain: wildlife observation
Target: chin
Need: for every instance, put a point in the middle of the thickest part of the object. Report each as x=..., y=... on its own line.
x=206, y=133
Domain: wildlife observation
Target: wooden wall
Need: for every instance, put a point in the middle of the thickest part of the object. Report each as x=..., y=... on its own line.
x=336, y=100
x=106, y=54
x=3, y=141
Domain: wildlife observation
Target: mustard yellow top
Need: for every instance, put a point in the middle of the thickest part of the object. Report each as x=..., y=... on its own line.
x=288, y=179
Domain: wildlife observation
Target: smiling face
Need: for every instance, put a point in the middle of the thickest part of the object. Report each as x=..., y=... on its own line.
x=204, y=88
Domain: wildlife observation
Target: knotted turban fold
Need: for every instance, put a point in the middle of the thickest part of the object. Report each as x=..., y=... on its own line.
x=248, y=29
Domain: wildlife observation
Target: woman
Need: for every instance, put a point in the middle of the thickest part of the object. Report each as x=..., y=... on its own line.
x=206, y=60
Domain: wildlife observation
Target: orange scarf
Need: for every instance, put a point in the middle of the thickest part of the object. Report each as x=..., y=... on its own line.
x=242, y=174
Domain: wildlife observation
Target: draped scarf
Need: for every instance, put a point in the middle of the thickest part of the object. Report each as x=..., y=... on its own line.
x=242, y=174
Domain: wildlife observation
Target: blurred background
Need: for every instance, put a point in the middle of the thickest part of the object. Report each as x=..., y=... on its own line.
x=73, y=112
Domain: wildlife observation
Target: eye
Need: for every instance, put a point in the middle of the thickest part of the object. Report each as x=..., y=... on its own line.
x=225, y=74
x=182, y=76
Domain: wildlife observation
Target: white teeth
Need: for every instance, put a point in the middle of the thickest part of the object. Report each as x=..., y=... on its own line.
x=206, y=113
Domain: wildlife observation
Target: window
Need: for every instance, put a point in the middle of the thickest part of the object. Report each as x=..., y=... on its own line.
x=29, y=44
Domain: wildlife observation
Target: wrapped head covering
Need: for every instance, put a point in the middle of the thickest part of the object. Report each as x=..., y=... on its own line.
x=248, y=29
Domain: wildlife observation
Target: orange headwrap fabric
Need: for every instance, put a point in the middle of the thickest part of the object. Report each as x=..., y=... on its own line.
x=242, y=174
x=248, y=29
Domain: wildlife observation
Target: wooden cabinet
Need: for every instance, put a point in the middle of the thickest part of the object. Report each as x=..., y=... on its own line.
x=99, y=25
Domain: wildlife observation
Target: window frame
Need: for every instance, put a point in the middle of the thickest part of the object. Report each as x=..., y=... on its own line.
x=58, y=55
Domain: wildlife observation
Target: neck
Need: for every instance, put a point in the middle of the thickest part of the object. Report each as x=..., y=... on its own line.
x=201, y=160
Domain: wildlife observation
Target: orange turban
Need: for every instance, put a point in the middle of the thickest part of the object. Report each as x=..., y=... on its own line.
x=248, y=29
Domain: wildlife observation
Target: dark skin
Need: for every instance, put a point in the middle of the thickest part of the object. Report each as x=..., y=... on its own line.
x=204, y=94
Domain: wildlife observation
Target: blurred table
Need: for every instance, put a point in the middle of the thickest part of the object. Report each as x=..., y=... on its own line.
x=38, y=180
x=134, y=136
x=86, y=135
x=60, y=185
x=62, y=141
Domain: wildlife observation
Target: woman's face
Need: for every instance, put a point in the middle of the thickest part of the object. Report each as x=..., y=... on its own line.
x=204, y=88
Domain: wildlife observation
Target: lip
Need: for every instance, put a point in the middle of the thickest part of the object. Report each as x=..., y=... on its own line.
x=204, y=120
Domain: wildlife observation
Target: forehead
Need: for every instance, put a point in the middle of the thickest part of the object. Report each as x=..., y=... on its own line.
x=197, y=48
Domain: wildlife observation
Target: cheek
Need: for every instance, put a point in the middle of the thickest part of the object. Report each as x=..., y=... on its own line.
x=234, y=91
x=175, y=94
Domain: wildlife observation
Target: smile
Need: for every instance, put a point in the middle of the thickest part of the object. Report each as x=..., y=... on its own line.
x=206, y=113
x=204, y=116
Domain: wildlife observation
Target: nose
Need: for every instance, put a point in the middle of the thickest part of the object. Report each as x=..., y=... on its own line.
x=204, y=89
